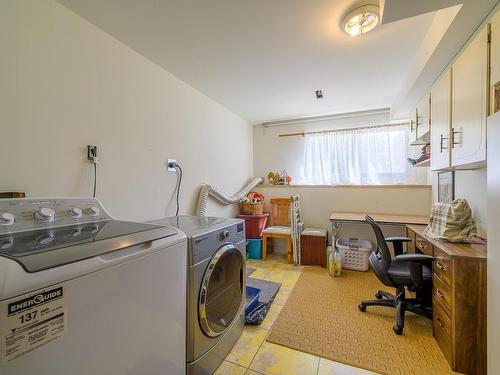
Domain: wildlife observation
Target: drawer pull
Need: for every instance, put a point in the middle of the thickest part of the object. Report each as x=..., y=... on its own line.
x=439, y=266
x=422, y=245
x=439, y=294
x=440, y=322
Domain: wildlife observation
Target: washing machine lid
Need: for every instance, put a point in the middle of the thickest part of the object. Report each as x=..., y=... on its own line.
x=193, y=225
x=41, y=249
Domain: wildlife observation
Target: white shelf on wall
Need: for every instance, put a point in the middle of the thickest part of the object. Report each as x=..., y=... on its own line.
x=395, y=186
x=424, y=163
x=423, y=140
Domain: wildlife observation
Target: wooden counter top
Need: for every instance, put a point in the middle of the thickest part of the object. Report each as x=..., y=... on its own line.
x=476, y=248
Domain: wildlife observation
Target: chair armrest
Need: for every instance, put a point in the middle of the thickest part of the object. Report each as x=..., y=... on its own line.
x=397, y=243
x=398, y=239
x=420, y=258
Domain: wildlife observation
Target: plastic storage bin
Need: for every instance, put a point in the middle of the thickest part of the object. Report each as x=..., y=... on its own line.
x=355, y=253
x=252, y=298
x=254, y=224
x=254, y=248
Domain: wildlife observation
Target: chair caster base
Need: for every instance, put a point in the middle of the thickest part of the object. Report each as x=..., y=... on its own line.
x=397, y=330
x=362, y=307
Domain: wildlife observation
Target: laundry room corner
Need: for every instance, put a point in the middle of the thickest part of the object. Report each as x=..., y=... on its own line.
x=99, y=91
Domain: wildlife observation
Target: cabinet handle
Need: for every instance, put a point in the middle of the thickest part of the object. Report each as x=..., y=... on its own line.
x=418, y=120
x=453, y=133
x=440, y=322
x=439, y=294
x=421, y=245
x=412, y=129
x=439, y=266
x=442, y=142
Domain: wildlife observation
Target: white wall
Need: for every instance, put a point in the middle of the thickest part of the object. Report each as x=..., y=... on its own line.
x=65, y=84
x=272, y=153
x=469, y=185
x=319, y=201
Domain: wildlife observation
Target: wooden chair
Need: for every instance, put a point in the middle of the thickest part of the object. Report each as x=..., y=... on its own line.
x=282, y=212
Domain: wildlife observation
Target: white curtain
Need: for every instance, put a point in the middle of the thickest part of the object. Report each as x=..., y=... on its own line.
x=369, y=156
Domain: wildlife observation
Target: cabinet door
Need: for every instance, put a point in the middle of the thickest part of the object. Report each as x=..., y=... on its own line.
x=423, y=118
x=413, y=126
x=495, y=63
x=495, y=49
x=469, y=103
x=441, y=122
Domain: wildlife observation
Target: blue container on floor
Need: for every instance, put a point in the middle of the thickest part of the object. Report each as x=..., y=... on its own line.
x=254, y=248
x=252, y=295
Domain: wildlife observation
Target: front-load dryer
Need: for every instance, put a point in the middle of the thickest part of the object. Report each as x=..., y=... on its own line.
x=216, y=281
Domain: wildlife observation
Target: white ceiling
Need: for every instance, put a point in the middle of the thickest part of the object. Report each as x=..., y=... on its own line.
x=264, y=59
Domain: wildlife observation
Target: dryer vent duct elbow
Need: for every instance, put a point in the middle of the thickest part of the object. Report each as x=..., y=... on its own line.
x=207, y=190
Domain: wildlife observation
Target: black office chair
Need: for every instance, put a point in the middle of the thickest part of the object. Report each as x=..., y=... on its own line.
x=412, y=271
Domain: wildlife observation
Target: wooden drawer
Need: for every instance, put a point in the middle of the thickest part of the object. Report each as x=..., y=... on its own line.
x=442, y=331
x=422, y=245
x=442, y=266
x=410, y=246
x=442, y=295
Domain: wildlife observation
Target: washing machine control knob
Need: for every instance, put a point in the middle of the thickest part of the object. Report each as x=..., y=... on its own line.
x=94, y=211
x=224, y=235
x=45, y=214
x=75, y=212
x=7, y=218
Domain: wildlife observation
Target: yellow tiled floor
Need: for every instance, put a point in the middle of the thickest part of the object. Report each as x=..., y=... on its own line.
x=252, y=355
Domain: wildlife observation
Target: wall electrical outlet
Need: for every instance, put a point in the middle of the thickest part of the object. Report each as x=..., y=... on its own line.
x=92, y=153
x=171, y=165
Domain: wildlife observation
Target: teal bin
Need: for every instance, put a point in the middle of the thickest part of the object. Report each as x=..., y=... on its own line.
x=254, y=248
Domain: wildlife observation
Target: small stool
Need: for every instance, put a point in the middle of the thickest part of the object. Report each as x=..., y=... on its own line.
x=313, y=247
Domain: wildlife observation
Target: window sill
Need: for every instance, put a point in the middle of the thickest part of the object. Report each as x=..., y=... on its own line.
x=390, y=186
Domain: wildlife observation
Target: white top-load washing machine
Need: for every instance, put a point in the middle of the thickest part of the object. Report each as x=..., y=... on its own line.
x=82, y=293
x=216, y=281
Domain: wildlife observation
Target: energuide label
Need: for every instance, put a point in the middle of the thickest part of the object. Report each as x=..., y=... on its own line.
x=30, y=321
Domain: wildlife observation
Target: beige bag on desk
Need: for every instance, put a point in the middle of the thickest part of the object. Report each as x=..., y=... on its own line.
x=451, y=222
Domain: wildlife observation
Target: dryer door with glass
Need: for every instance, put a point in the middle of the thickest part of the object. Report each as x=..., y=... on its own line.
x=222, y=291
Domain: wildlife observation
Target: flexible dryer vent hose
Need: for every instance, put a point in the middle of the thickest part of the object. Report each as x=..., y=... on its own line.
x=207, y=190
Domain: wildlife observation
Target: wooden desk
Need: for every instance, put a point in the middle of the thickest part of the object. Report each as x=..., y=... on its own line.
x=458, y=298
x=350, y=217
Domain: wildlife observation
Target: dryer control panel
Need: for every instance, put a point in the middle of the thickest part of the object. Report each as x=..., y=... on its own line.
x=23, y=214
x=205, y=245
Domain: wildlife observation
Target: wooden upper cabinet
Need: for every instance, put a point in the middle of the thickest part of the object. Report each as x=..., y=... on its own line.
x=441, y=122
x=423, y=112
x=470, y=103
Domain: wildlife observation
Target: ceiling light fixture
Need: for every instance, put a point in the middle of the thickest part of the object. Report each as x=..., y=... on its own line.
x=361, y=20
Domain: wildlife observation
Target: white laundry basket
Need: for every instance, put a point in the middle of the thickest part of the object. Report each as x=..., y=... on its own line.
x=355, y=253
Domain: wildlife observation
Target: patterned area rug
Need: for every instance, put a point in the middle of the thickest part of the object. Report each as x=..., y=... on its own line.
x=321, y=317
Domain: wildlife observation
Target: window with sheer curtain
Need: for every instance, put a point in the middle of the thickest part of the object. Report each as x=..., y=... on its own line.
x=363, y=156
